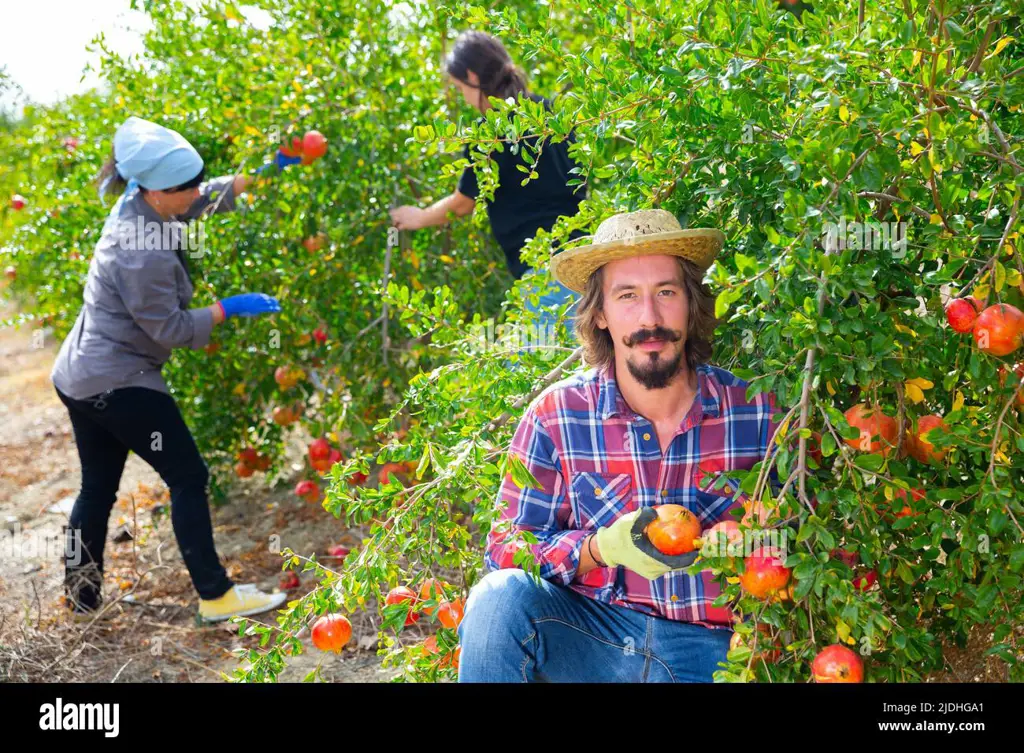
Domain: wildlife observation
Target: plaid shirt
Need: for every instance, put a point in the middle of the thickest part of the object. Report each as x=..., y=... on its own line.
x=597, y=459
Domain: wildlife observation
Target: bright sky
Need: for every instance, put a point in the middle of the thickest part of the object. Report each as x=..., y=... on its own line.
x=42, y=42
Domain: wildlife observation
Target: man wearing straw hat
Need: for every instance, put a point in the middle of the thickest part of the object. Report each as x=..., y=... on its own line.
x=650, y=423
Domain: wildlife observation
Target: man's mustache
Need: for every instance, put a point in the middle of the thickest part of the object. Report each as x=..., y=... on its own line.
x=658, y=333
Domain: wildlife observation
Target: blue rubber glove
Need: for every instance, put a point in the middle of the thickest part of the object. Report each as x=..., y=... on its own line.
x=280, y=161
x=249, y=304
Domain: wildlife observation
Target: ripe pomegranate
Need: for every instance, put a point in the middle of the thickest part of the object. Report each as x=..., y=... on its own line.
x=449, y=613
x=768, y=649
x=243, y=471
x=289, y=581
x=283, y=416
x=837, y=663
x=764, y=575
x=315, y=242
x=720, y=546
x=866, y=580
x=18, y=202
x=331, y=632
x=400, y=595
x=386, y=470
x=338, y=551
x=320, y=336
x=319, y=449
x=295, y=150
x=431, y=590
x=357, y=478
x=248, y=456
x=287, y=378
x=70, y=143
x=999, y=329
x=850, y=559
x=676, y=530
x=431, y=648
x=961, y=313
x=308, y=490
x=314, y=146
x=262, y=462
x=904, y=510
x=878, y=432
x=212, y=348
x=917, y=444
x=11, y=273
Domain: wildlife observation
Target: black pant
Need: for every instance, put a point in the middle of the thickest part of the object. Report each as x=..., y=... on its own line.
x=149, y=424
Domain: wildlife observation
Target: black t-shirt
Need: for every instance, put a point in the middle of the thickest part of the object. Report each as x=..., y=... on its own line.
x=518, y=211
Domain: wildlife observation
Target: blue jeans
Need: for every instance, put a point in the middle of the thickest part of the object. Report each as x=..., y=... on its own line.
x=551, y=296
x=516, y=630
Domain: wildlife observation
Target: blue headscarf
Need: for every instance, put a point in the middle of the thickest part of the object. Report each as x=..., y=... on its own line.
x=153, y=156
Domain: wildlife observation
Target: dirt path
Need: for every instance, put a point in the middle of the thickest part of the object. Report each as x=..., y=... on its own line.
x=155, y=639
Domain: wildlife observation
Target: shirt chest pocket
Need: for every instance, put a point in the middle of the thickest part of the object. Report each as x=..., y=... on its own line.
x=599, y=499
x=717, y=495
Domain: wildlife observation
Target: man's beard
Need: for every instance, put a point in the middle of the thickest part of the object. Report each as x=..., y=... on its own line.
x=655, y=372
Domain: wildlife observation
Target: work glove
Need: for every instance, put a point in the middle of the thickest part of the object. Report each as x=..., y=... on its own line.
x=249, y=304
x=625, y=543
x=280, y=161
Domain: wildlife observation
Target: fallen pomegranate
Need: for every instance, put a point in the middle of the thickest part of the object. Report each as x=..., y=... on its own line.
x=676, y=530
x=331, y=632
x=837, y=663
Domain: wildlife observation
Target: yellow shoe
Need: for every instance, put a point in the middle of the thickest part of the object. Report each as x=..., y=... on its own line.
x=240, y=601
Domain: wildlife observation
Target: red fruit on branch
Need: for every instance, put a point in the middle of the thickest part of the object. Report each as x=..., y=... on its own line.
x=295, y=150
x=999, y=329
x=315, y=242
x=338, y=551
x=289, y=581
x=961, y=313
x=449, y=613
x=331, y=632
x=319, y=336
x=11, y=273
x=866, y=580
x=918, y=445
x=850, y=559
x=243, y=471
x=18, y=202
x=431, y=590
x=402, y=595
x=387, y=470
x=308, y=490
x=768, y=649
x=837, y=663
x=314, y=146
x=878, y=432
x=731, y=535
x=764, y=573
x=904, y=510
x=319, y=449
x=676, y=530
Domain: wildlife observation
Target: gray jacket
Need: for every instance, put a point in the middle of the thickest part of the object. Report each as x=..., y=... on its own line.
x=136, y=298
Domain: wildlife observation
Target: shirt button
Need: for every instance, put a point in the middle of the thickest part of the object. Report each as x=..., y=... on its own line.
x=728, y=489
x=598, y=491
x=664, y=492
x=647, y=437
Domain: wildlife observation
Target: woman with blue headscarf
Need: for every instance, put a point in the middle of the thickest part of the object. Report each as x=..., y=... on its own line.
x=107, y=373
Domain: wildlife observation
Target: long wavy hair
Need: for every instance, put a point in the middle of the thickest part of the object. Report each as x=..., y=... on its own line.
x=598, y=348
x=487, y=57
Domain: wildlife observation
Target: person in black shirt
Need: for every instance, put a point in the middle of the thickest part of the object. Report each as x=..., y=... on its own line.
x=480, y=67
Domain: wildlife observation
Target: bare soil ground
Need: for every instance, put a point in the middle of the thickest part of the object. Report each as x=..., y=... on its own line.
x=155, y=638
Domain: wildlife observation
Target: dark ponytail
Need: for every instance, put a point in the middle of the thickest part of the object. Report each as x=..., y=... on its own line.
x=484, y=55
x=117, y=184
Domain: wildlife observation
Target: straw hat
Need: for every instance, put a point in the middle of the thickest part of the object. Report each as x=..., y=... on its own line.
x=643, y=233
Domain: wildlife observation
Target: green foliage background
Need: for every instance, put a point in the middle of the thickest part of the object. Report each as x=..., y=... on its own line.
x=765, y=123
